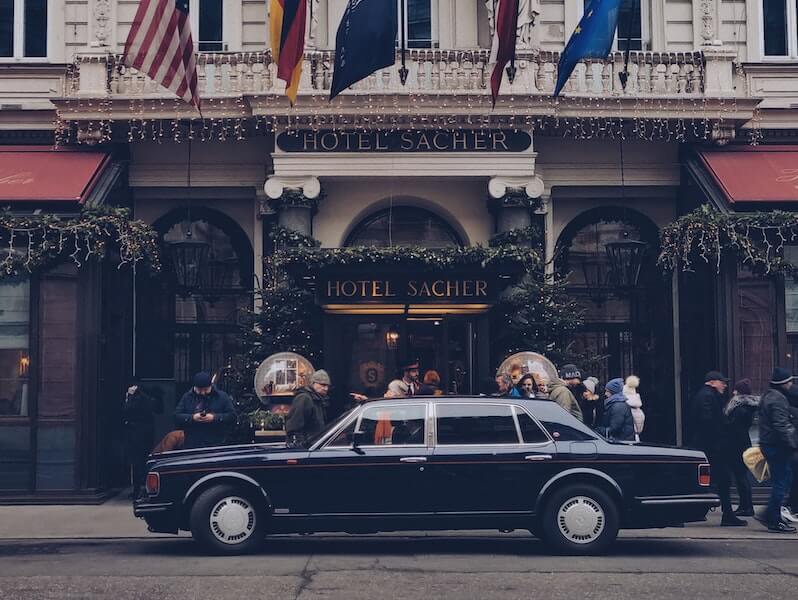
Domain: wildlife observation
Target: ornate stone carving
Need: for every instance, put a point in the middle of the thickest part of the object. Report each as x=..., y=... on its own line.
x=512, y=188
x=722, y=134
x=277, y=186
x=708, y=21
x=101, y=23
x=528, y=12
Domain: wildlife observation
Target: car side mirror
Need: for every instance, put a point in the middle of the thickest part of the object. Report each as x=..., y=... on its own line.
x=357, y=438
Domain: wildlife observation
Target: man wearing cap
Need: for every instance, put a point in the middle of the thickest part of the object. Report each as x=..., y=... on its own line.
x=560, y=392
x=408, y=385
x=307, y=415
x=779, y=441
x=708, y=432
x=204, y=413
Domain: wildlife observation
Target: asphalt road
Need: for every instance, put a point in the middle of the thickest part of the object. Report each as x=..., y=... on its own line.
x=399, y=567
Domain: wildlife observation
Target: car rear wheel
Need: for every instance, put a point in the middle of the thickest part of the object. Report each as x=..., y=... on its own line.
x=580, y=519
x=226, y=519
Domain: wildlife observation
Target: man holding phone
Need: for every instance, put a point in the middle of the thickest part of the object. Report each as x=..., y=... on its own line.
x=204, y=413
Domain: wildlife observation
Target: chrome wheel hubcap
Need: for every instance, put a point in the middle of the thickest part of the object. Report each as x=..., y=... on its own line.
x=581, y=520
x=232, y=520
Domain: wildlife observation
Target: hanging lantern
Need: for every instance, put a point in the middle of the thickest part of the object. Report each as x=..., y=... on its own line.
x=626, y=259
x=189, y=258
x=392, y=338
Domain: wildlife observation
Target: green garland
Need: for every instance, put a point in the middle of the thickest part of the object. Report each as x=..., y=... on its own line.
x=532, y=235
x=304, y=259
x=706, y=236
x=31, y=242
x=288, y=238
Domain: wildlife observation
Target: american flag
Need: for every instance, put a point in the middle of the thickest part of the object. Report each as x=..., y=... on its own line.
x=160, y=45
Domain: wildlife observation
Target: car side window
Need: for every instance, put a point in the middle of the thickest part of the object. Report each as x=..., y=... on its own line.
x=475, y=424
x=565, y=433
x=394, y=425
x=531, y=432
x=344, y=438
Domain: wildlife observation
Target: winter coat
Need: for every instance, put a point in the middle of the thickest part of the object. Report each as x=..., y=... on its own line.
x=617, y=422
x=559, y=393
x=199, y=435
x=138, y=418
x=591, y=410
x=706, y=420
x=635, y=403
x=739, y=415
x=775, y=423
x=307, y=415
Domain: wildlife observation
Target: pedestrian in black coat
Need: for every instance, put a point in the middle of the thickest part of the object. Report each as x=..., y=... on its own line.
x=708, y=434
x=739, y=414
x=138, y=421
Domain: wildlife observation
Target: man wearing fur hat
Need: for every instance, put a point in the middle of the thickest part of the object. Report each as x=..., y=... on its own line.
x=307, y=415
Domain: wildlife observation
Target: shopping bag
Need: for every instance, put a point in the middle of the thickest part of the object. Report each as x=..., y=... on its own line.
x=756, y=463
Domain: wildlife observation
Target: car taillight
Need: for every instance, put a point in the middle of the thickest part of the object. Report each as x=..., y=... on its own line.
x=153, y=483
x=704, y=478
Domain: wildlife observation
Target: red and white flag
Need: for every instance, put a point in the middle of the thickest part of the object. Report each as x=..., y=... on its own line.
x=503, y=47
x=160, y=45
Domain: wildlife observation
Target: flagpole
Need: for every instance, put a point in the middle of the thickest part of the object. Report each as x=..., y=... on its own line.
x=403, y=72
x=624, y=75
x=511, y=70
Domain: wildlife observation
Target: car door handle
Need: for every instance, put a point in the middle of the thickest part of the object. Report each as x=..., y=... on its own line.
x=538, y=457
x=413, y=459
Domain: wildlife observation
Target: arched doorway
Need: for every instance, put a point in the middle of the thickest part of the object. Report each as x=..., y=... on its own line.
x=377, y=338
x=181, y=331
x=609, y=257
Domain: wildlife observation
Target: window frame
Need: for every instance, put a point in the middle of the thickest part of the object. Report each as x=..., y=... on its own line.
x=326, y=443
x=18, y=51
x=791, y=33
x=33, y=292
x=231, y=14
x=434, y=41
x=645, y=29
x=513, y=408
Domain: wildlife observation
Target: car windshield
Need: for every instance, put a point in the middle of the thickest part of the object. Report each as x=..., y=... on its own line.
x=330, y=426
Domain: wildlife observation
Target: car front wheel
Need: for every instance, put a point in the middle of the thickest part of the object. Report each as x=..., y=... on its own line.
x=228, y=520
x=580, y=519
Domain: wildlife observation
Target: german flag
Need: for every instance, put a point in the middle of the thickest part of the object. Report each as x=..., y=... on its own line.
x=287, y=28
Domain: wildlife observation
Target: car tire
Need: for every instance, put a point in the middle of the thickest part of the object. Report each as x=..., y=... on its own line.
x=228, y=520
x=580, y=519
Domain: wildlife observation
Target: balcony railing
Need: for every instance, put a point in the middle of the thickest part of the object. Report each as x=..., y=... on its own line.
x=671, y=75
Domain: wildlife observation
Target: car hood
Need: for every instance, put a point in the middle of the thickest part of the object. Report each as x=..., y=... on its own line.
x=214, y=454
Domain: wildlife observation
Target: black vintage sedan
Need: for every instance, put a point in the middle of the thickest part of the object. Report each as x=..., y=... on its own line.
x=430, y=463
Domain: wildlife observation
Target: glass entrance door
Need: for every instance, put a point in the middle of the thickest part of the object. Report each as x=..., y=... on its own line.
x=369, y=350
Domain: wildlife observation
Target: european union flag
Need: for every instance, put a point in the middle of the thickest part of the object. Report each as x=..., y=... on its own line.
x=592, y=38
x=366, y=41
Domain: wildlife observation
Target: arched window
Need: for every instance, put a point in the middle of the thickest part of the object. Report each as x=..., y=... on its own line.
x=181, y=331
x=404, y=226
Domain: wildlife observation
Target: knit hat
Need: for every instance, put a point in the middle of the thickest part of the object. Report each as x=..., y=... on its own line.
x=743, y=387
x=321, y=377
x=202, y=380
x=570, y=372
x=614, y=386
x=590, y=385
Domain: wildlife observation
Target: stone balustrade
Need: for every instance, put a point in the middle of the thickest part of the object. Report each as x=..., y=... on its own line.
x=671, y=75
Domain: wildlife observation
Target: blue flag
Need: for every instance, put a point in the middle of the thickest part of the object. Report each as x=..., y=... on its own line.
x=366, y=41
x=592, y=38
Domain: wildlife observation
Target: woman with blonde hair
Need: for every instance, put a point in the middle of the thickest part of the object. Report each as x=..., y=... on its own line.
x=635, y=403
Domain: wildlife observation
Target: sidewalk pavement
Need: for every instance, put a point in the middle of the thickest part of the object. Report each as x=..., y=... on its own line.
x=114, y=520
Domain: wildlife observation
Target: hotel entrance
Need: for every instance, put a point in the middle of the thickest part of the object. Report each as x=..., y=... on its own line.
x=365, y=351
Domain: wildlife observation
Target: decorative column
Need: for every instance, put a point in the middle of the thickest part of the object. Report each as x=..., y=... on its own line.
x=294, y=200
x=514, y=200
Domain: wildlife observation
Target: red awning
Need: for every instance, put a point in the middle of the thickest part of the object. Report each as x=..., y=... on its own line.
x=42, y=174
x=755, y=173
